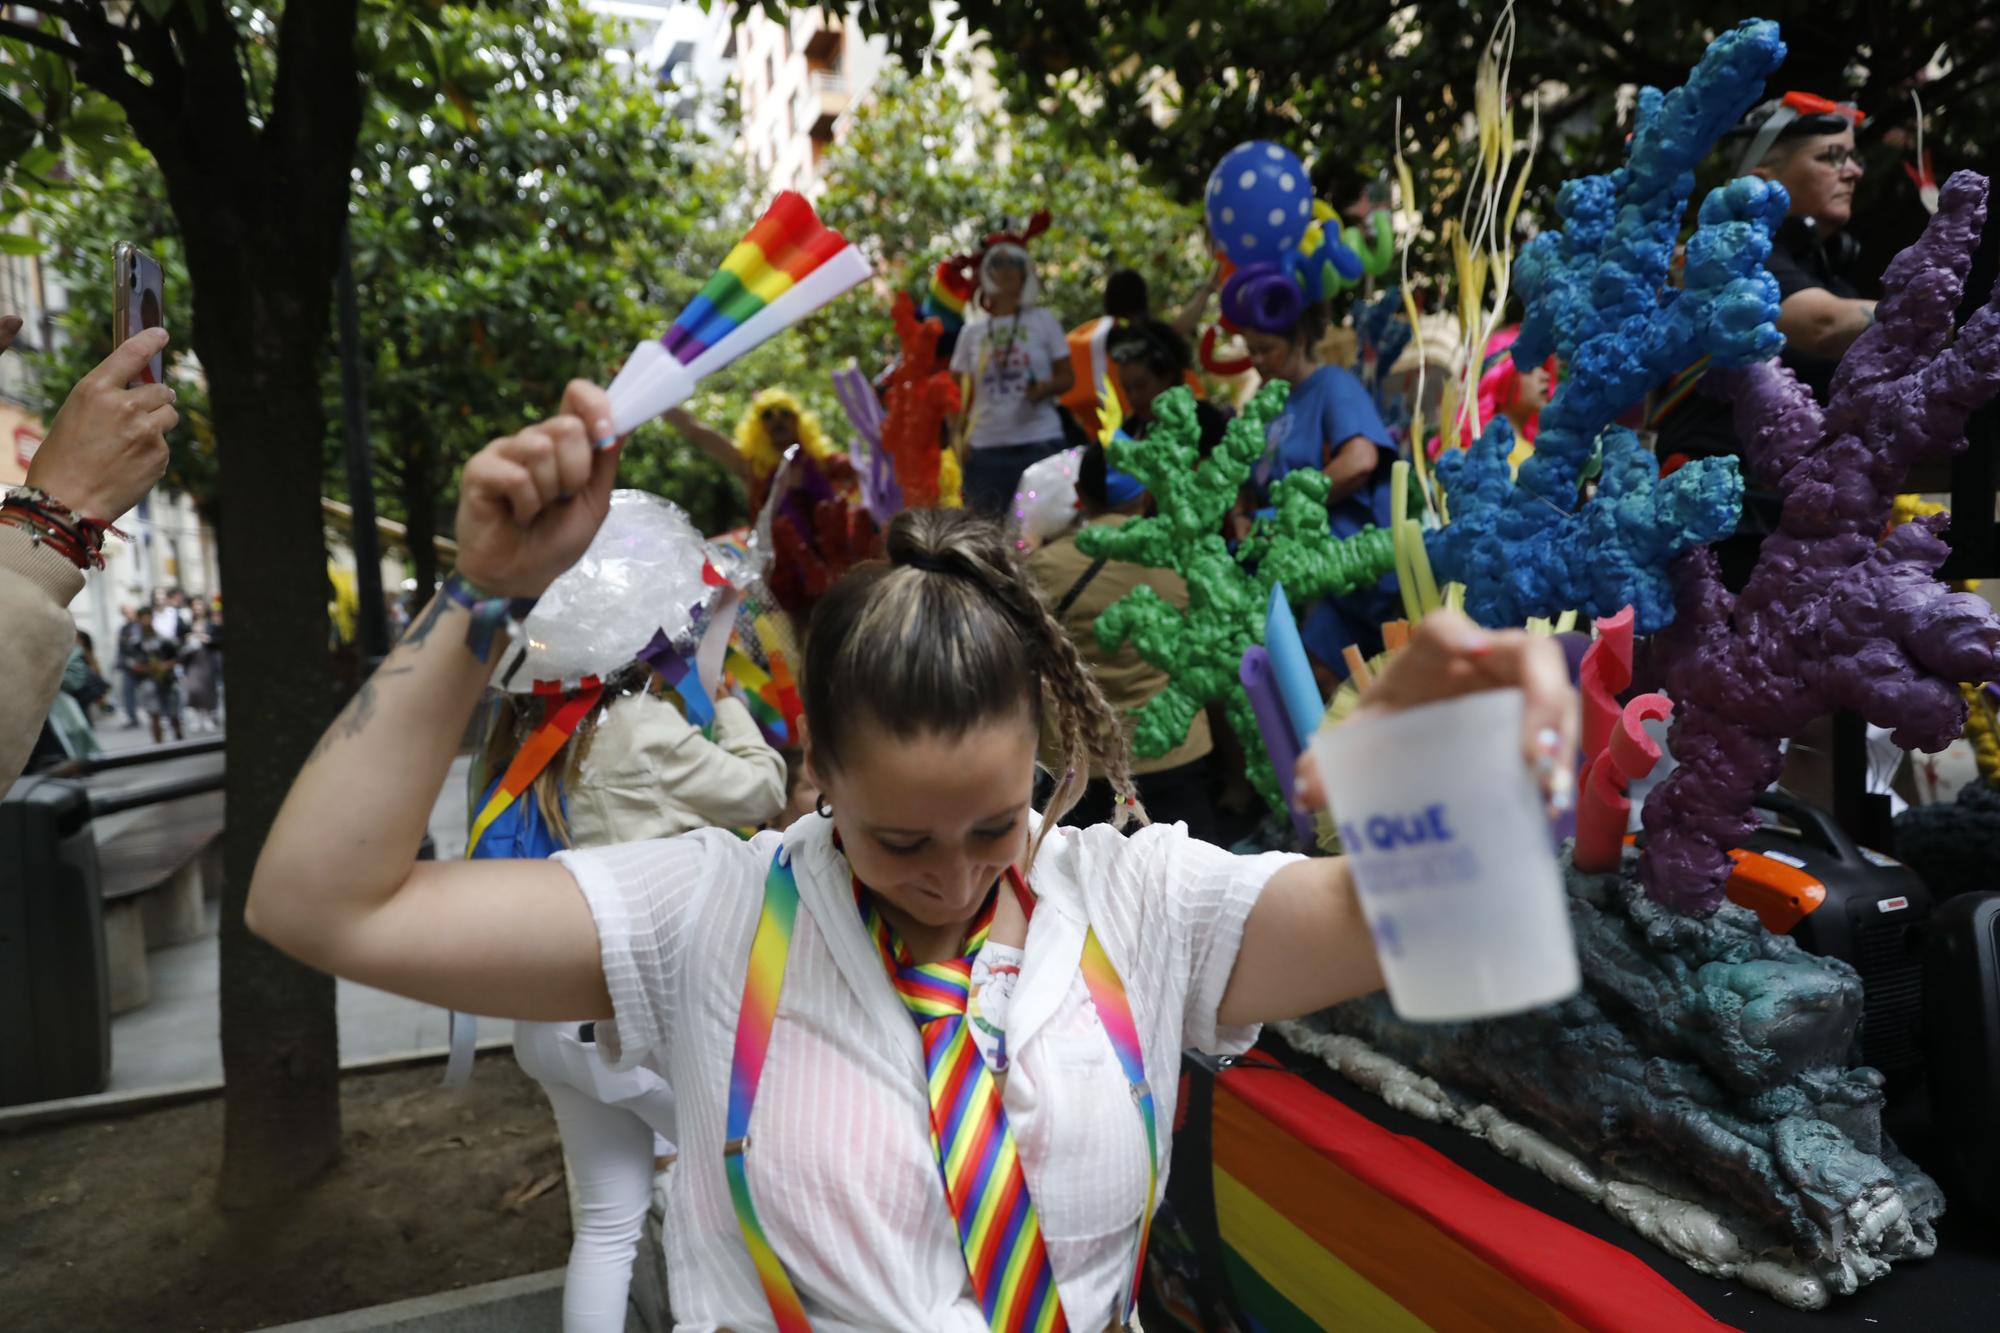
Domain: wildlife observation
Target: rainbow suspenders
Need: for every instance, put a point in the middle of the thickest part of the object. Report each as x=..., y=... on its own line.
x=761, y=984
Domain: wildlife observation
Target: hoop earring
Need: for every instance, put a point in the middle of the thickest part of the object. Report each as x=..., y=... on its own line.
x=821, y=808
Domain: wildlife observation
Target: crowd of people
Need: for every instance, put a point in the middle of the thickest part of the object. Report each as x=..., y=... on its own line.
x=1028, y=946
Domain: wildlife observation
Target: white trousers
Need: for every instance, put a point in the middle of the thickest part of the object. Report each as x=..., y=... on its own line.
x=613, y=1125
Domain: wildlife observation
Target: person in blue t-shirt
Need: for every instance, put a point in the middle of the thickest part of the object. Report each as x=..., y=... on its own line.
x=1329, y=423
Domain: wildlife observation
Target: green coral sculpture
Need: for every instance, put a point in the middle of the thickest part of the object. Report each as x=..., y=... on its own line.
x=1293, y=546
x=1200, y=648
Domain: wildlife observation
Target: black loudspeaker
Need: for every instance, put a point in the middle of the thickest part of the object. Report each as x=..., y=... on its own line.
x=1805, y=877
x=1962, y=1043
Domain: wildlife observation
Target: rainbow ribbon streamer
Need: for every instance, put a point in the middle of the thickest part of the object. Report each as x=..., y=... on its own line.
x=534, y=756
x=770, y=695
x=684, y=680
x=784, y=269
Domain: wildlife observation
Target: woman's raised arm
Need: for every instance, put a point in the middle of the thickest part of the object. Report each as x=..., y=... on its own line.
x=338, y=885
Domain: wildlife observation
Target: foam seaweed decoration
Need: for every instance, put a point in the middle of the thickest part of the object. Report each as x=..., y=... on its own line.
x=881, y=494
x=1201, y=648
x=786, y=267
x=1982, y=728
x=860, y=402
x=1616, y=747
x=816, y=534
x=874, y=473
x=1481, y=238
x=1835, y=615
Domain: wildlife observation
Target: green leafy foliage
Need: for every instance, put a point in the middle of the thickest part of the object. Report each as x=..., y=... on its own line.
x=497, y=255
x=524, y=225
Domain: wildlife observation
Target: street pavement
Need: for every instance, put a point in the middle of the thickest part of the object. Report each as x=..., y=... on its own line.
x=174, y=1039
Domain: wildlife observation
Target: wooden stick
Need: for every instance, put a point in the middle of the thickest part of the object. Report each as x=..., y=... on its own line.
x=1357, y=668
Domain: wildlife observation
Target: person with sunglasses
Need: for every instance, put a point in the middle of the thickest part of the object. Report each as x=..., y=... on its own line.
x=1805, y=143
x=1013, y=366
x=773, y=423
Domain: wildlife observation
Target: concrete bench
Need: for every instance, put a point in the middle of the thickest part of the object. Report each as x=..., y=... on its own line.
x=156, y=874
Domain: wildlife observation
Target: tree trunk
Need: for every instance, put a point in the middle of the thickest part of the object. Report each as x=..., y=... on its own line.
x=420, y=512
x=261, y=204
x=280, y=1047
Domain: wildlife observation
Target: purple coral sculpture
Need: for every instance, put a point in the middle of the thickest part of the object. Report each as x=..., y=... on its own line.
x=1836, y=614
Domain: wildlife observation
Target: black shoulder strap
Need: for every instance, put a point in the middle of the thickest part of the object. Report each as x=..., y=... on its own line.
x=1095, y=568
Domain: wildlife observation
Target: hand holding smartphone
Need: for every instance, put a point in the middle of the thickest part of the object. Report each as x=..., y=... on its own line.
x=137, y=303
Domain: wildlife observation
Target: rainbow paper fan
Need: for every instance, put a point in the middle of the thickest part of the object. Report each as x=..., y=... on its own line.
x=788, y=266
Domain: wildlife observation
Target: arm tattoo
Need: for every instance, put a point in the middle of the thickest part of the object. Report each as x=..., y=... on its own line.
x=489, y=615
x=414, y=636
x=354, y=718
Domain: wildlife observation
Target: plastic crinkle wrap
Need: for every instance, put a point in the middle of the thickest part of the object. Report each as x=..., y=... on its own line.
x=647, y=588
x=1046, y=504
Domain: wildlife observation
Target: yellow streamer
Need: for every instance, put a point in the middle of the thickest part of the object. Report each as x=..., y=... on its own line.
x=1399, y=508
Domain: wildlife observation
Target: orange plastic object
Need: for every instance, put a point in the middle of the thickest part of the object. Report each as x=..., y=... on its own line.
x=1780, y=895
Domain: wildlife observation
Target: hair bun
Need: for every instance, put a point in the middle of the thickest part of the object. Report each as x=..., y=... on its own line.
x=948, y=541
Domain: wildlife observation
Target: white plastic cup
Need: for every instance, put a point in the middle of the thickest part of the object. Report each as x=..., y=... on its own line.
x=1444, y=828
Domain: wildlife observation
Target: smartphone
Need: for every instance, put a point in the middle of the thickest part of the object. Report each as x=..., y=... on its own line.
x=137, y=302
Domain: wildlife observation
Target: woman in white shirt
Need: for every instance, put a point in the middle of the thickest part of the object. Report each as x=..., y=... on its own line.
x=820, y=1203
x=1013, y=366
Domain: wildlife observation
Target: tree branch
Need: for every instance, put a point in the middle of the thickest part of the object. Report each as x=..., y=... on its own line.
x=100, y=62
x=21, y=32
x=153, y=46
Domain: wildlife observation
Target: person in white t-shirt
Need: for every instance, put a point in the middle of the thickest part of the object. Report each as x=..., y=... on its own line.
x=772, y=979
x=1013, y=366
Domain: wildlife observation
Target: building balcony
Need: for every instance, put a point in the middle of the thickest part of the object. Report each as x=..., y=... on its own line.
x=823, y=47
x=828, y=97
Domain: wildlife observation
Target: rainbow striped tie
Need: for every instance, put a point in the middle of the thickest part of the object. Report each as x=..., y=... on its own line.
x=983, y=1182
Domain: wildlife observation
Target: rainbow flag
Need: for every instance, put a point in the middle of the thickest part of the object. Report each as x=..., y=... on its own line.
x=784, y=269
x=787, y=243
x=1330, y=1222
x=950, y=289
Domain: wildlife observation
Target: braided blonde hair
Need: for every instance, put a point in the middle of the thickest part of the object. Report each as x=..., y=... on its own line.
x=948, y=632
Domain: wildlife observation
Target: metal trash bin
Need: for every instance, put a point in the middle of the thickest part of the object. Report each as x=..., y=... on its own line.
x=55, y=1004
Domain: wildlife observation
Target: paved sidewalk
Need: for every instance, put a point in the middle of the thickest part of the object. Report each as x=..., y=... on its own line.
x=174, y=1039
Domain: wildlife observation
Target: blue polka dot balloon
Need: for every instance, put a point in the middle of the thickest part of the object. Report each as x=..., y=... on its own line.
x=1259, y=203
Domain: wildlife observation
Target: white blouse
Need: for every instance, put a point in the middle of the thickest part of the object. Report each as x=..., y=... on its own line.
x=840, y=1164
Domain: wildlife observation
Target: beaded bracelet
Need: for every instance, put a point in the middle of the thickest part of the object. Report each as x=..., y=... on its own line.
x=52, y=523
x=40, y=533
x=489, y=613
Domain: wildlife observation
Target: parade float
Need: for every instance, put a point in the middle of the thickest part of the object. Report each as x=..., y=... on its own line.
x=1706, y=1084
